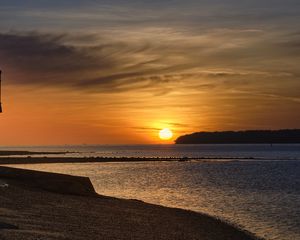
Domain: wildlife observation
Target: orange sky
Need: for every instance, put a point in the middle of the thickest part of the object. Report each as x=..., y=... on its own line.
x=119, y=73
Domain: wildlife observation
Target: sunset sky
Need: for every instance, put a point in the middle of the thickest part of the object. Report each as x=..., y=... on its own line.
x=118, y=71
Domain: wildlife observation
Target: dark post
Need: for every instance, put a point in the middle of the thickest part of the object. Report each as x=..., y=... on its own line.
x=0, y=93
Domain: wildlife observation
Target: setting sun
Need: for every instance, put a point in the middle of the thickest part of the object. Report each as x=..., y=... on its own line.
x=165, y=134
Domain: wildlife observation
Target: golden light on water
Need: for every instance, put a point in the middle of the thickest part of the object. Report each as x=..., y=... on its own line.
x=165, y=134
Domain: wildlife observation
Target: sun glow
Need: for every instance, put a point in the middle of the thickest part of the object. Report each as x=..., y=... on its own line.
x=165, y=134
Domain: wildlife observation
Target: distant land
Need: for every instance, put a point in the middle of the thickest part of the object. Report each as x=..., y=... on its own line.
x=242, y=137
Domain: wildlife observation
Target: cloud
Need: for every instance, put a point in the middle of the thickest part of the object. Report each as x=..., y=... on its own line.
x=60, y=60
x=50, y=60
x=202, y=14
x=47, y=55
x=146, y=128
x=152, y=60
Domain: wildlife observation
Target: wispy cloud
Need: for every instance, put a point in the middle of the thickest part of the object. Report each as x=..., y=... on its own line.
x=175, y=62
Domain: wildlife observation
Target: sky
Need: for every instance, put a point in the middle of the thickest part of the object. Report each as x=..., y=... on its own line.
x=118, y=71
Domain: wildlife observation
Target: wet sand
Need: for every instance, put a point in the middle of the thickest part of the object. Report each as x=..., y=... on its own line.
x=36, y=205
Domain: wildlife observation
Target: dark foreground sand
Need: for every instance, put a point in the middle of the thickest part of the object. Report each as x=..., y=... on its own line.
x=38, y=205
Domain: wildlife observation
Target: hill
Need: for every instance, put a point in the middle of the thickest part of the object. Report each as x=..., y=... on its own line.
x=242, y=137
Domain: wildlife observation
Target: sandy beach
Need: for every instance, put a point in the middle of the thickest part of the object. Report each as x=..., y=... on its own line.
x=36, y=205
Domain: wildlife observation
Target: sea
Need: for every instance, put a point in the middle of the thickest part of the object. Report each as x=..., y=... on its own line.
x=255, y=187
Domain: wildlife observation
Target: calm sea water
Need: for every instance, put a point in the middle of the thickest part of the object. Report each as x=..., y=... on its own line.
x=256, y=151
x=261, y=195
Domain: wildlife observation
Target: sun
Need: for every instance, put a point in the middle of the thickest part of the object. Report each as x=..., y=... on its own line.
x=165, y=134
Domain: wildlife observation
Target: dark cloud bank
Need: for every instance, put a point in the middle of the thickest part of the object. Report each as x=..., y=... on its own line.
x=110, y=66
x=47, y=60
x=46, y=55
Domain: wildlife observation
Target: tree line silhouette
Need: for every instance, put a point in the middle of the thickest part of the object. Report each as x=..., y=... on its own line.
x=239, y=137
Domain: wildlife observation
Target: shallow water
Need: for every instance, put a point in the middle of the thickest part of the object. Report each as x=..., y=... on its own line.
x=260, y=196
x=253, y=151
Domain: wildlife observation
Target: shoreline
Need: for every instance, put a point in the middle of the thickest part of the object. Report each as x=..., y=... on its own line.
x=32, y=199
